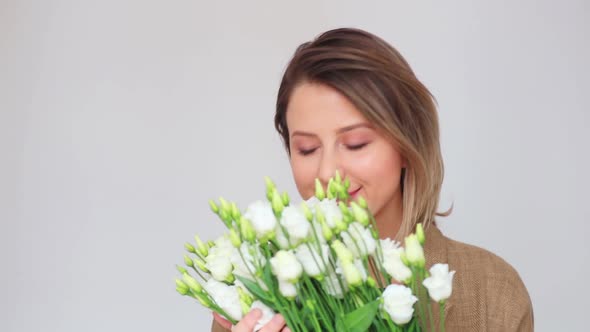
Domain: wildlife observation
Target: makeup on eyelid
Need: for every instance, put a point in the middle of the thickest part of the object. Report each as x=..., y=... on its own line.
x=352, y=141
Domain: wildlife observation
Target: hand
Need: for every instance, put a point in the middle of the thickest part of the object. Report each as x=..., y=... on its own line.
x=247, y=324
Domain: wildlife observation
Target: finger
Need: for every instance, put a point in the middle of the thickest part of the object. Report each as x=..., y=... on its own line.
x=249, y=321
x=276, y=324
x=286, y=329
x=222, y=321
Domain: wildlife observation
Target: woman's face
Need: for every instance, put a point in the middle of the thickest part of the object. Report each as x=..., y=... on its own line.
x=328, y=133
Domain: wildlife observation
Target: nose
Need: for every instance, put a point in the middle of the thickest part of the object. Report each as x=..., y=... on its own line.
x=329, y=164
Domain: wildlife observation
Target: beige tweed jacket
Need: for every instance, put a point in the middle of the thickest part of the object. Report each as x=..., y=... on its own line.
x=488, y=294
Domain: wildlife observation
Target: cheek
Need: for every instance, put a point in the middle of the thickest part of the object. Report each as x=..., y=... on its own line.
x=390, y=166
x=389, y=175
x=390, y=171
x=304, y=174
x=380, y=170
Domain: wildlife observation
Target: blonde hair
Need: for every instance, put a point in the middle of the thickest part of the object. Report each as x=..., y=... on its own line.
x=379, y=82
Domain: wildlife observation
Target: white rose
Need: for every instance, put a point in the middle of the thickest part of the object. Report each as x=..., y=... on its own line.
x=287, y=289
x=222, y=245
x=398, y=302
x=226, y=297
x=262, y=218
x=267, y=314
x=440, y=282
x=219, y=266
x=313, y=263
x=295, y=224
x=359, y=240
x=330, y=210
x=392, y=261
x=217, y=262
x=312, y=202
x=285, y=266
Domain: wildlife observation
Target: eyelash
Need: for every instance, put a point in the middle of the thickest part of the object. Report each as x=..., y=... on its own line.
x=356, y=147
x=307, y=152
x=349, y=147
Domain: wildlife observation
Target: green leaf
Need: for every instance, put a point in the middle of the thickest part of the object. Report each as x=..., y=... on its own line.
x=267, y=274
x=360, y=319
x=255, y=289
x=340, y=327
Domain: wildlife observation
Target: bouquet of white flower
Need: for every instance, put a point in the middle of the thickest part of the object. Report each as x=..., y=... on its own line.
x=320, y=264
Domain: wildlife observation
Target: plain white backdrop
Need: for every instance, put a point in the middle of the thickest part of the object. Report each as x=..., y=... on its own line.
x=120, y=119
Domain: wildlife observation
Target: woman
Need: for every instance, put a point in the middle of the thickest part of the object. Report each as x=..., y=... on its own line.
x=348, y=101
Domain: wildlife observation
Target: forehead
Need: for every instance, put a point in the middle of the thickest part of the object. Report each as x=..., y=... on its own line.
x=319, y=107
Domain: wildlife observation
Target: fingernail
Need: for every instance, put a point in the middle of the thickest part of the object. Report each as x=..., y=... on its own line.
x=278, y=319
x=256, y=312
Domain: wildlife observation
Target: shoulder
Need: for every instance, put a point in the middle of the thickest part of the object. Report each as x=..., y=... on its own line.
x=470, y=259
x=477, y=260
x=486, y=284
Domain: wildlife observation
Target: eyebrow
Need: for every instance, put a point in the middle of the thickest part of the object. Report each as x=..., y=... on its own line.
x=339, y=131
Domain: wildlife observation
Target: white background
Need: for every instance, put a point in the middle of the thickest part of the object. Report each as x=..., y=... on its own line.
x=120, y=119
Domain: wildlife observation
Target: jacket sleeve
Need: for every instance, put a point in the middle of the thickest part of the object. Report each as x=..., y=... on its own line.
x=218, y=328
x=509, y=305
x=527, y=321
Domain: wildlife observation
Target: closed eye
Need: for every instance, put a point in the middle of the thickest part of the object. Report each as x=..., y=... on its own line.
x=307, y=152
x=356, y=147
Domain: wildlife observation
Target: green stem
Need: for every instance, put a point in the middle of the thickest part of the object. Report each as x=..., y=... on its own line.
x=285, y=311
x=392, y=326
x=199, y=273
x=326, y=309
x=379, y=254
x=442, y=316
x=218, y=309
x=316, y=324
x=325, y=265
x=375, y=272
x=307, y=291
x=247, y=265
x=430, y=315
x=418, y=291
x=340, y=283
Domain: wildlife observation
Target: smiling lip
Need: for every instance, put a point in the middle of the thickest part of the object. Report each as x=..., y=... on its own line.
x=354, y=192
